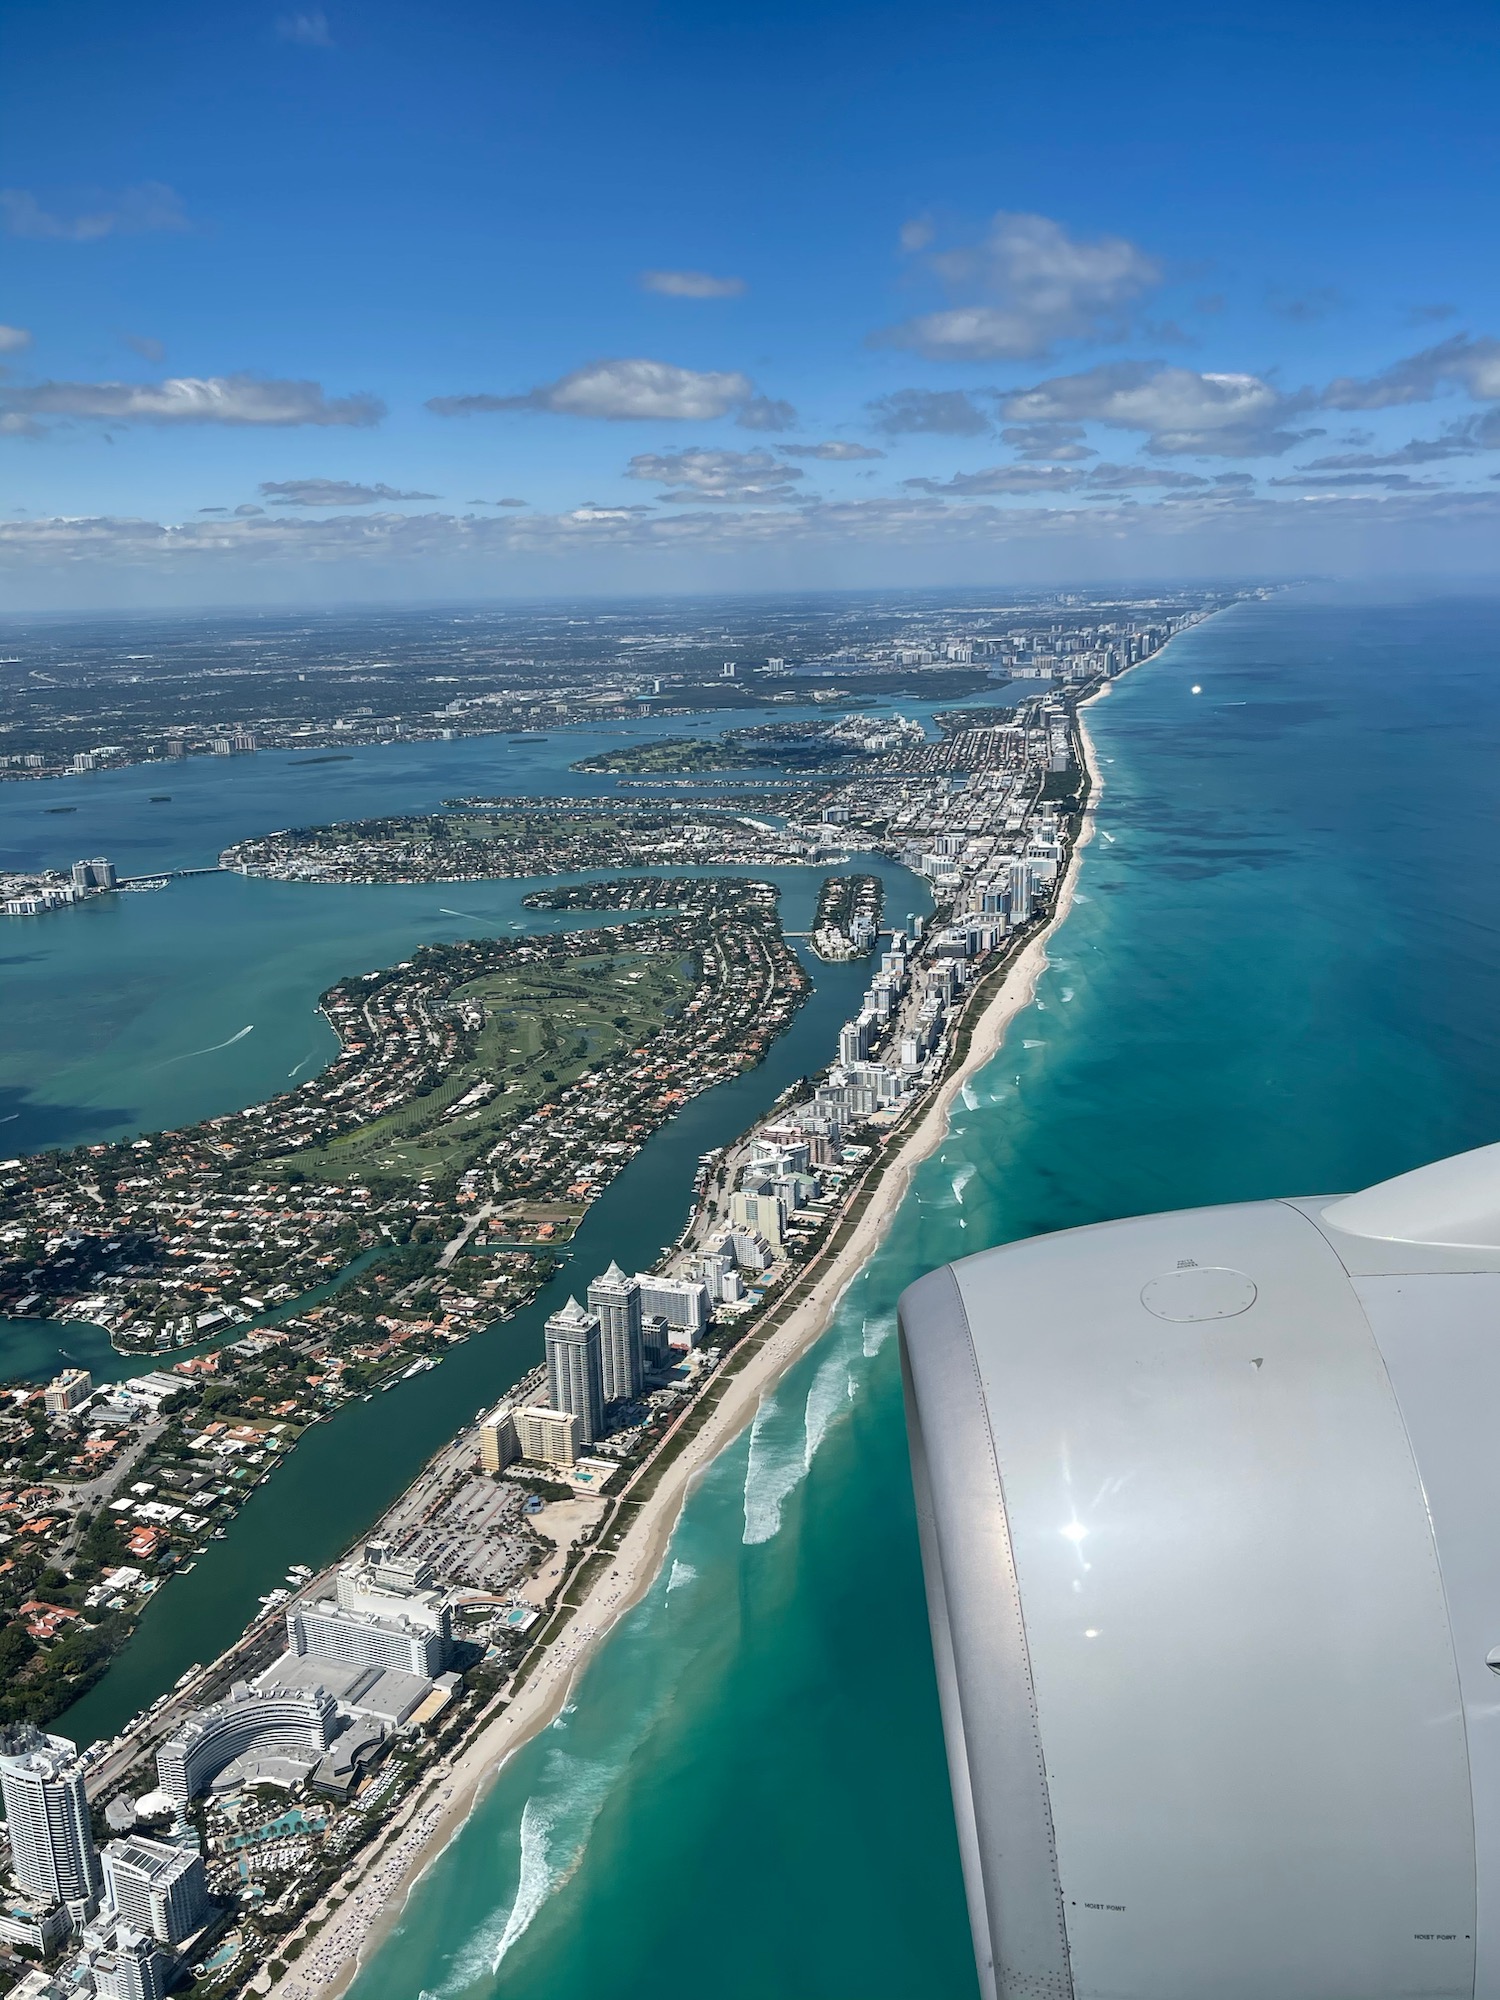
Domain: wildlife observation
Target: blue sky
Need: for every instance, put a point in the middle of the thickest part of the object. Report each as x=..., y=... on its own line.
x=293, y=298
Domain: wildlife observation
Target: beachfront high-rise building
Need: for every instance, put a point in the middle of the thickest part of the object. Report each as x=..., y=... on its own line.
x=575, y=1368
x=1021, y=890
x=321, y=1629
x=130, y=1969
x=615, y=1300
x=549, y=1436
x=157, y=1888
x=47, y=1812
x=384, y=1613
x=499, y=1445
x=681, y=1302
x=286, y=1727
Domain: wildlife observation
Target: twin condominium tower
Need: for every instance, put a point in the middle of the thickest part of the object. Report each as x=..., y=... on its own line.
x=598, y=1355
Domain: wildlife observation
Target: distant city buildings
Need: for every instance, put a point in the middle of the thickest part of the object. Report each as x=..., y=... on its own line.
x=33, y=895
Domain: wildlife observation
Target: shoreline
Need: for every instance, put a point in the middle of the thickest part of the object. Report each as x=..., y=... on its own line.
x=365, y=1906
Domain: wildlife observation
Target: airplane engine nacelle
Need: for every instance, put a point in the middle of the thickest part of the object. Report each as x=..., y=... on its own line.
x=1210, y=1517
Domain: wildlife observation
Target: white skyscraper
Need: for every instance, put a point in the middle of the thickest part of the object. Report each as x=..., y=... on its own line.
x=575, y=1368
x=616, y=1302
x=47, y=1811
x=157, y=1888
x=133, y=1969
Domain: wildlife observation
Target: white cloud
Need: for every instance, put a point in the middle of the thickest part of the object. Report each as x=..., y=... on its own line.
x=1213, y=526
x=836, y=449
x=1105, y=478
x=766, y=413
x=1020, y=479
x=13, y=339
x=1056, y=443
x=919, y=412
x=309, y=31
x=146, y=347
x=1023, y=287
x=333, y=493
x=134, y=211
x=1464, y=363
x=1392, y=482
x=619, y=392
x=691, y=285
x=745, y=478
x=215, y=399
x=1001, y=479
x=1457, y=441
x=1181, y=410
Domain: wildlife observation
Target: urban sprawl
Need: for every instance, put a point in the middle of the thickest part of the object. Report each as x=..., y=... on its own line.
x=273, y=1264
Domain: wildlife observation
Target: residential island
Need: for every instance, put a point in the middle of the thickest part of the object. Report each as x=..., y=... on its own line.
x=275, y=1263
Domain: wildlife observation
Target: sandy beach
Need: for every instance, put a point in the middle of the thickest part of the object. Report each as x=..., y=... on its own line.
x=368, y=1901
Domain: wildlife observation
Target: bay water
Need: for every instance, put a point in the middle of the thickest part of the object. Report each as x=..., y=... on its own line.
x=1281, y=975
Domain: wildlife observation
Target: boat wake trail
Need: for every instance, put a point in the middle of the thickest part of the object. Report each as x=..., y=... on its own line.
x=467, y=915
x=213, y=1049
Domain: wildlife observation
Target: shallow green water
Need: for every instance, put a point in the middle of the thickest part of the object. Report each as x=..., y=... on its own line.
x=1281, y=975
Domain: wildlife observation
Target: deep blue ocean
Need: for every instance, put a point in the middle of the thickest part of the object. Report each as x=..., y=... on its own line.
x=1281, y=976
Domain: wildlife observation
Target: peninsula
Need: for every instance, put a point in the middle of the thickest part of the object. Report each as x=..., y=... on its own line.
x=483, y=1094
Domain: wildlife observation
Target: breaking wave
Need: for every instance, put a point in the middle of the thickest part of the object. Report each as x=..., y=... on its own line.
x=876, y=1331
x=555, y=1827
x=682, y=1573
x=771, y=1474
x=779, y=1463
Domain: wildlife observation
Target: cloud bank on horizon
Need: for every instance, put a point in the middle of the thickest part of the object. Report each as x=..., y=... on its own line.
x=1061, y=358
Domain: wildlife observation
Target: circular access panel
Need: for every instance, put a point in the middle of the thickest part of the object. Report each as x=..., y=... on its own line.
x=1202, y=1291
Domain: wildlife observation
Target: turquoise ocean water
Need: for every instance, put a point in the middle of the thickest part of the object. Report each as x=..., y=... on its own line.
x=1281, y=975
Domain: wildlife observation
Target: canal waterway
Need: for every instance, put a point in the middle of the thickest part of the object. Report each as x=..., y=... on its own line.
x=1281, y=975
x=145, y=1012
x=345, y=1472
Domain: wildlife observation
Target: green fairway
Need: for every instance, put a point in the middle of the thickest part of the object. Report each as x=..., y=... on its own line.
x=544, y=1025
